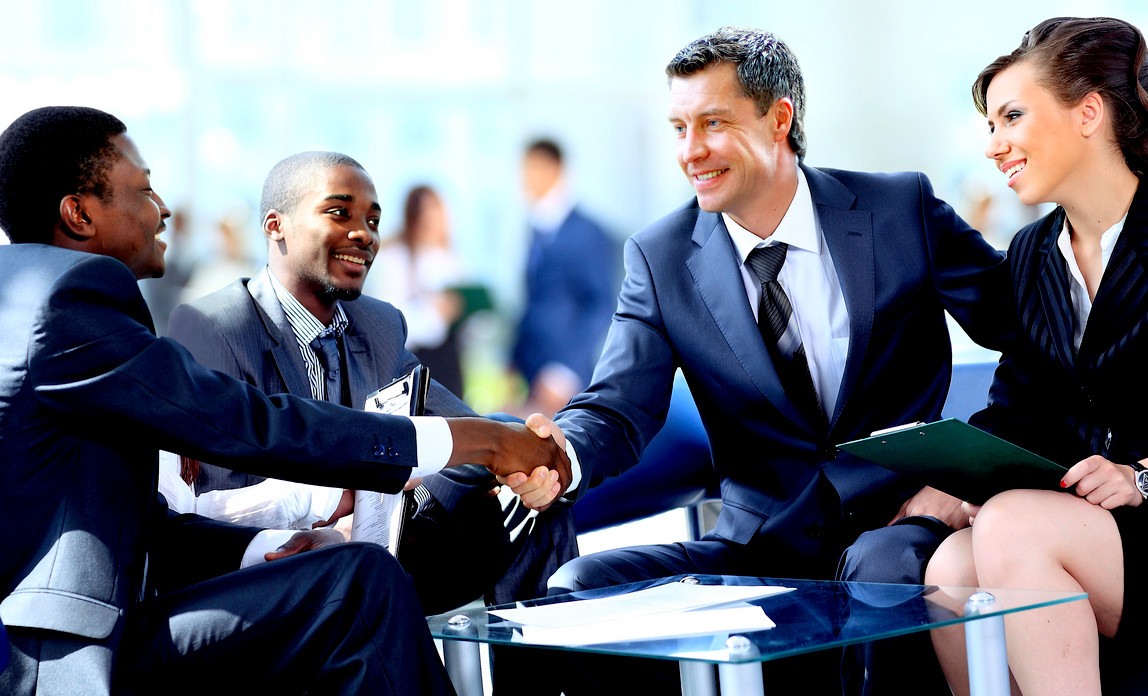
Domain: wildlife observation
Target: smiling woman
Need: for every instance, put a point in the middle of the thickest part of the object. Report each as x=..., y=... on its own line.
x=1068, y=120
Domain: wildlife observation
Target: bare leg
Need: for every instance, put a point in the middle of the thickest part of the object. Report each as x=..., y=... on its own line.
x=952, y=565
x=1053, y=541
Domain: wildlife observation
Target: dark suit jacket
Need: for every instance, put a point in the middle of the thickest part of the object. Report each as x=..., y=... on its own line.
x=242, y=330
x=1046, y=396
x=571, y=285
x=902, y=256
x=88, y=394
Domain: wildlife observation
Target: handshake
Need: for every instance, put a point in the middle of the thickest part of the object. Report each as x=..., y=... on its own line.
x=530, y=459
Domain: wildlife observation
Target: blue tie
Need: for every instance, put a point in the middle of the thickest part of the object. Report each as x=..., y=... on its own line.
x=326, y=346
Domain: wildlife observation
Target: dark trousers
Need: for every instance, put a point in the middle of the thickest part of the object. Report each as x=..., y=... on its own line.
x=905, y=665
x=339, y=620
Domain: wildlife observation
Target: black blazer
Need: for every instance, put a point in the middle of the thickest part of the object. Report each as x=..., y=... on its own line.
x=1052, y=399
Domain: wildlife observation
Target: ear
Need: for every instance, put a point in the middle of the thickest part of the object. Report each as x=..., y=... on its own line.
x=781, y=118
x=273, y=225
x=1092, y=114
x=76, y=222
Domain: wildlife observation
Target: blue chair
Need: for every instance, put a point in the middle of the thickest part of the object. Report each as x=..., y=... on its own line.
x=675, y=471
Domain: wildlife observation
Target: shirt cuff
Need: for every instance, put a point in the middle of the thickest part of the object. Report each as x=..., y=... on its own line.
x=265, y=542
x=575, y=468
x=435, y=444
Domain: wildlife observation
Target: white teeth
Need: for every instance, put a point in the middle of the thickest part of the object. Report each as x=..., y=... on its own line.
x=352, y=259
x=709, y=175
x=1014, y=169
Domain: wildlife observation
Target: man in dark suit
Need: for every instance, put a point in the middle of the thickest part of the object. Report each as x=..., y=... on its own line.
x=570, y=285
x=101, y=589
x=870, y=264
x=260, y=329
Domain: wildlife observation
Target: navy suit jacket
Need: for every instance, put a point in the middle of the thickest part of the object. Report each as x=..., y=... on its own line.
x=88, y=395
x=903, y=257
x=571, y=286
x=1046, y=395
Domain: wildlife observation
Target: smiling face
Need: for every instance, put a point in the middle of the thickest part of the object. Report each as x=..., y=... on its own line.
x=323, y=248
x=733, y=157
x=130, y=217
x=1035, y=141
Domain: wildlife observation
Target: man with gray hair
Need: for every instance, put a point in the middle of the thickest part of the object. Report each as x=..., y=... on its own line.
x=805, y=307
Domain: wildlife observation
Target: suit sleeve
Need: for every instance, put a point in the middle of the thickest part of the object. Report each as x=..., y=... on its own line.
x=971, y=277
x=612, y=421
x=101, y=367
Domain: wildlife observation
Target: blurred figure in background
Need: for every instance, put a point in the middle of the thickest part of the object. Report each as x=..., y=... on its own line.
x=420, y=273
x=573, y=272
x=227, y=257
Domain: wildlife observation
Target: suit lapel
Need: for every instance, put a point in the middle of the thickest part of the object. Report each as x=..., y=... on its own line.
x=1051, y=291
x=1121, y=302
x=849, y=235
x=284, y=349
x=362, y=364
x=716, y=272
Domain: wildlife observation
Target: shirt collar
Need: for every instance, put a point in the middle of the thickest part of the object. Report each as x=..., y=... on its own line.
x=551, y=210
x=306, y=326
x=1107, y=243
x=798, y=227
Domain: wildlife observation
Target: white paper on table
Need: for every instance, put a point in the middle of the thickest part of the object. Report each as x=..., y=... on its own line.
x=672, y=624
x=670, y=597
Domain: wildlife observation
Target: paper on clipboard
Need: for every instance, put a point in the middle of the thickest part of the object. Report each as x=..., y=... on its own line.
x=957, y=458
x=378, y=517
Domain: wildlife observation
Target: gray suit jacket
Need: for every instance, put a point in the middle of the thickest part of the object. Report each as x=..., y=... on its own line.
x=88, y=395
x=242, y=330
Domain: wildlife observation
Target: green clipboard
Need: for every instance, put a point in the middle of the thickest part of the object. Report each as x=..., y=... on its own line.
x=957, y=458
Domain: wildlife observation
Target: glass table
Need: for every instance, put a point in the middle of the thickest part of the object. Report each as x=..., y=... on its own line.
x=816, y=615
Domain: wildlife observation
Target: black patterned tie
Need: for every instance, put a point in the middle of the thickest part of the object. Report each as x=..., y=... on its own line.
x=779, y=328
x=326, y=346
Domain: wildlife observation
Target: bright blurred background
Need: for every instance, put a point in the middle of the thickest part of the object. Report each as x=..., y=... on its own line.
x=447, y=92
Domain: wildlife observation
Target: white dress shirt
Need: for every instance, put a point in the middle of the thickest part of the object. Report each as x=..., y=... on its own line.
x=810, y=281
x=1081, y=302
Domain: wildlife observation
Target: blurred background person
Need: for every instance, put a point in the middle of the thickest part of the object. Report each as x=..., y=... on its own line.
x=420, y=273
x=228, y=256
x=570, y=286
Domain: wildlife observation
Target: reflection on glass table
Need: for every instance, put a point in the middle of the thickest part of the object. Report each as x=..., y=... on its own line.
x=815, y=615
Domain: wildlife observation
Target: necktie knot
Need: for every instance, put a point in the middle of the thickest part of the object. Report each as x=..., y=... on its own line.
x=766, y=261
x=326, y=347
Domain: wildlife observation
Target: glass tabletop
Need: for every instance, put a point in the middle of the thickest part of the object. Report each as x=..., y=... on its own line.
x=815, y=615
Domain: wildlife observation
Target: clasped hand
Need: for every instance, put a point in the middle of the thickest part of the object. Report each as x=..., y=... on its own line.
x=542, y=485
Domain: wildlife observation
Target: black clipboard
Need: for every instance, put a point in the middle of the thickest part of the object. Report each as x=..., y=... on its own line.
x=406, y=395
x=957, y=458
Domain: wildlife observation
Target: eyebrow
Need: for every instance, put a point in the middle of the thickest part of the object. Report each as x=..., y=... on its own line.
x=1004, y=107
x=717, y=111
x=346, y=197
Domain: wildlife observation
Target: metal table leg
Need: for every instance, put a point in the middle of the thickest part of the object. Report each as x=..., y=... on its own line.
x=741, y=679
x=698, y=679
x=985, y=645
x=463, y=658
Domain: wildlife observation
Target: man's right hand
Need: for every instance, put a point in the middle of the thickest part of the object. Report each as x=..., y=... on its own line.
x=506, y=448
